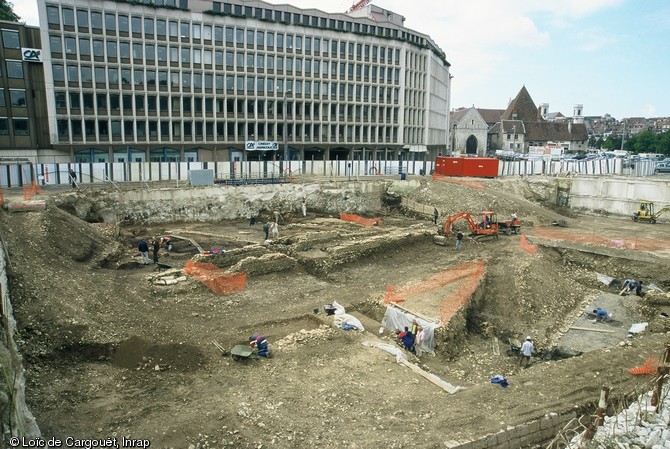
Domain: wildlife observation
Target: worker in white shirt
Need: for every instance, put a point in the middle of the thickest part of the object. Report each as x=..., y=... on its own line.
x=527, y=349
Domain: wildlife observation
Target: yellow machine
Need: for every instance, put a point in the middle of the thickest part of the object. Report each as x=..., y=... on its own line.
x=646, y=212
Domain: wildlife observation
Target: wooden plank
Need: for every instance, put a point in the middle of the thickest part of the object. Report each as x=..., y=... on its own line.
x=589, y=329
x=430, y=377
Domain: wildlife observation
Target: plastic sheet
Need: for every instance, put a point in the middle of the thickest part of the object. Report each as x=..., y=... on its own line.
x=397, y=319
x=344, y=320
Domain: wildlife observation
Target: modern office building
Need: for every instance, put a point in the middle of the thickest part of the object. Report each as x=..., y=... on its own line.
x=24, y=131
x=180, y=80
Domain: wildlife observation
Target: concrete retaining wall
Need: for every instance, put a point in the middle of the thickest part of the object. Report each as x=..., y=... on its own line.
x=14, y=412
x=618, y=195
x=207, y=204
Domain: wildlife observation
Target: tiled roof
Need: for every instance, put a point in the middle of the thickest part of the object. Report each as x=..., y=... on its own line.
x=491, y=116
x=555, y=131
x=522, y=108
x=513, y=126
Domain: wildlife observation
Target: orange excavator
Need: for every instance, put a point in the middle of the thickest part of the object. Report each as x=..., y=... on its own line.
x=485, y=226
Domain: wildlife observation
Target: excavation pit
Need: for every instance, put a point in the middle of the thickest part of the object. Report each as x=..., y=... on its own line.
x=324, y=387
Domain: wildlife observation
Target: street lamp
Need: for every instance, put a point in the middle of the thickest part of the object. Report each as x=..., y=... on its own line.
x=285, y=127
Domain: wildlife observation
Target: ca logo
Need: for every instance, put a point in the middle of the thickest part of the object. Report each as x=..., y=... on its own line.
x=31, y=55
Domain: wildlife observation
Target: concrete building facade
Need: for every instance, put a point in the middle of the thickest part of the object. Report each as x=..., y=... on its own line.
x=180, y=80
x=23, y=105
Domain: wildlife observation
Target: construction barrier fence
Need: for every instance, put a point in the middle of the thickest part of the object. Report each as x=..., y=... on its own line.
x=453, y=287
x=526, y=245
x=360, y=220
x=217, y=279
x=598, y=239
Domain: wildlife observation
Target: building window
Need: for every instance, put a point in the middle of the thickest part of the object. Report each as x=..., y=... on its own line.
x=124, y=50
x=55, y=44
x=98, y=48
x=17, y=98
x=137, y=51
x=68, y=17
x=58, y=72
x=21, y=127
x=15, y=69
x=4, y=127
x=84, y=47
x=110, y=22
x=10, y=39
x=160, y=27
x=86, y=74
x=149, y=26
x=136, y=24
x=70, y=46
x=111, y=50
x=96, y=20
x=52, y=15
x=2, y=98
x=61, y=101
x=72, y=74
x=116, y=128
x=113, y=76
x=123, y=24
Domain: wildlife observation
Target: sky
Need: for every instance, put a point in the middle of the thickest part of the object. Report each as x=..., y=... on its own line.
x=611, y=56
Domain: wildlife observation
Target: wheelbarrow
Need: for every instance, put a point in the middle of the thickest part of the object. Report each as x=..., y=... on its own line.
x=514, y=347
x=242, y=352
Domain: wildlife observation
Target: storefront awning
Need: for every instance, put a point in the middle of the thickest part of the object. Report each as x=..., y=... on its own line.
x=417, y=148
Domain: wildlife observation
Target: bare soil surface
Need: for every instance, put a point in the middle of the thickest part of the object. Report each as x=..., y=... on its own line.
x=109, y=353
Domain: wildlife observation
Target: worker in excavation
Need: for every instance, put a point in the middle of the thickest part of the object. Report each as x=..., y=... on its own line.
x=260, y=345
x=156, y=245
x=144, y=251
x=627, y=286
x=408, y=339
x=266, y=229
x=459, y=240
x=601, y=314
x=527, y=349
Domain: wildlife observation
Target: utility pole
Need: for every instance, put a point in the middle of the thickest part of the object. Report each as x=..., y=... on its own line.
x=623, y=134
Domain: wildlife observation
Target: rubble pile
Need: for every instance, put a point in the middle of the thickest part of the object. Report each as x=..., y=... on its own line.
x=293, y=341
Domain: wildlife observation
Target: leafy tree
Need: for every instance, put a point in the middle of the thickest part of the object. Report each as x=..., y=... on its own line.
x=612, y=143
x=663, y=143
x=646, y=141
x=7, y=12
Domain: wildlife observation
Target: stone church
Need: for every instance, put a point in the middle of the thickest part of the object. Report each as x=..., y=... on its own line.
x=483, y=131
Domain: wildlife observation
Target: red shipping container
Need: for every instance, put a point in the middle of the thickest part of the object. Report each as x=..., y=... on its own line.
x=449, y=166
x=467, y=166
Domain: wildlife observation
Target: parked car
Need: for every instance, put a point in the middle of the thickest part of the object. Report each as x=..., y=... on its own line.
x=663, y=167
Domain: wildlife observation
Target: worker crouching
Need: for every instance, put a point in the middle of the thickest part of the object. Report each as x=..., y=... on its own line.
x=260, y=345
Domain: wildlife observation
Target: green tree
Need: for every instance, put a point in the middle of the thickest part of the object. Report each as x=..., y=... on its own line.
x=645, y=142
x=663, y=143
x=612, y=143
x=7, y=12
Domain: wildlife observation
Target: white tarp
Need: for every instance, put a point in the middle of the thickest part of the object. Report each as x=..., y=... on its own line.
x=397, y=319
x=342, y=318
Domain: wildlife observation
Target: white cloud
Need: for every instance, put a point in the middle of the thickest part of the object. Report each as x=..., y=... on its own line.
x=27, y=10
x=649, y=110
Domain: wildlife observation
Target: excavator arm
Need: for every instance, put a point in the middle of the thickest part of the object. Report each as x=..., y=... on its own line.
x=461, y=215
x=662, y=211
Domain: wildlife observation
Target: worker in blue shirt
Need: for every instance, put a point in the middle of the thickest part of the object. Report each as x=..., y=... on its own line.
x=260, y=344
x=407, y=338
x=601, y=314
